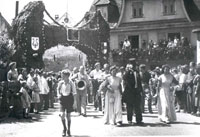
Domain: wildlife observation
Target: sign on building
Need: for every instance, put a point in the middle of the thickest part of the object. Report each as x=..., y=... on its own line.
x=72, y=34
x=35, y=43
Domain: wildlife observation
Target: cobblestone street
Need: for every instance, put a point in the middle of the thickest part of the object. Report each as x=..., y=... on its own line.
x=48, y=124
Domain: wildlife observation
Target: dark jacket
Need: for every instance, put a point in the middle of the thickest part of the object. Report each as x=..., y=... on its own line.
x=130, y=92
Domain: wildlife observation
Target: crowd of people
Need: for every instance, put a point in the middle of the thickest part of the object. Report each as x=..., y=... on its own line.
x=155, y=51
x=110, y=89
x=28, y=91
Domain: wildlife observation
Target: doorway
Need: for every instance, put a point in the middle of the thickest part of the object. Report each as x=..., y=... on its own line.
x=134, y=40
x=171, y=36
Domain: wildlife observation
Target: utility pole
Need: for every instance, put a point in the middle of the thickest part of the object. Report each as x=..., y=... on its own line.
x=16, y=8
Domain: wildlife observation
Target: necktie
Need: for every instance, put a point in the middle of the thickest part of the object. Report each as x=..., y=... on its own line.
x=135, y=75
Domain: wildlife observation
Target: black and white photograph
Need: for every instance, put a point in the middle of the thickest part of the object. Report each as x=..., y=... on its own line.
x=99, y=68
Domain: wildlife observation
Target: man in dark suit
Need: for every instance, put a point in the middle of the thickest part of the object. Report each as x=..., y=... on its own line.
x=132, y=93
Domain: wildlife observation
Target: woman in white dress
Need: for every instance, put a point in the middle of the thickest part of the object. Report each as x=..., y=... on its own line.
x=113, y=105
x=166, y=109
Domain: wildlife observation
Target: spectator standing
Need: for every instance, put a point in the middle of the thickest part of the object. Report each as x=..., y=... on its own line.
x=126, y=45
x=50, y=84
x=35, y=95
x=152, y=86
x=30, y=83
x=14, y=87
x=196, y=82
x=26, y=99
x=145, y=77
x=96, y=76
x=23, y=76
x=190, y=89
x=181, y=90
x=44, y=91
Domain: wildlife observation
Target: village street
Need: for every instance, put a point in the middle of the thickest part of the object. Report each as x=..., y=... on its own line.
x=48, y=124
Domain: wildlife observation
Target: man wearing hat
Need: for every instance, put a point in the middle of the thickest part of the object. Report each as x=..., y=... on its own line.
x=132, y=93
x=83, y=85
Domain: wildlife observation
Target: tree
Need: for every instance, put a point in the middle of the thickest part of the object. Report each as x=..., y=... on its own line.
x=7, y=49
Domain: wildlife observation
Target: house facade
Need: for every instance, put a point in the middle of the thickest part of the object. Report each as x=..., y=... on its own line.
x=144, y=20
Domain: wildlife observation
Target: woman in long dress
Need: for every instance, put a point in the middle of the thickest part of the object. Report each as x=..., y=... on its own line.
x=166, y=109
x=113, y=105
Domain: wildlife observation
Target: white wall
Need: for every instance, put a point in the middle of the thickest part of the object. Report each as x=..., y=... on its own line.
x=152, y=10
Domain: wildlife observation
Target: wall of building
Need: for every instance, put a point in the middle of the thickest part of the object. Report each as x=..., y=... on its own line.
x=114, y=41
x=152, y=10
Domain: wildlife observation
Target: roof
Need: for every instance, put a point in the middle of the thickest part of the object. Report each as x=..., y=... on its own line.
x=99, y=2
x=2, y=27
x=92, y=10
x=193, y=11
x=102, y=2
x=61, y=20
x=197, y=2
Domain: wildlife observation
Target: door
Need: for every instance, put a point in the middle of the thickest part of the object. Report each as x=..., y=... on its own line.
x=134, y=40
x=171, y=36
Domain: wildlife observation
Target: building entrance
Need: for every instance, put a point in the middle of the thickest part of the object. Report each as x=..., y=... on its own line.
x=171, y=36
x=134, y=40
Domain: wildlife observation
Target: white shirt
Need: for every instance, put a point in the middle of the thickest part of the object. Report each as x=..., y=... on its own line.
x=30, y=82
x=105, y=75
x=182, y=78
x=65, y=89
x=96, y=74
x=44, y=86
x=126, y=44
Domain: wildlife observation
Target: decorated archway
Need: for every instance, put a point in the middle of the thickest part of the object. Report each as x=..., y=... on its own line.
x=33, y=35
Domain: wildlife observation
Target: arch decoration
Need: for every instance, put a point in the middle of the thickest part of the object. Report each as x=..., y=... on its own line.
x=33, y=35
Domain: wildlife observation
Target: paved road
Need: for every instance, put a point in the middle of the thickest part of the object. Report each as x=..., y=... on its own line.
x=47, y=124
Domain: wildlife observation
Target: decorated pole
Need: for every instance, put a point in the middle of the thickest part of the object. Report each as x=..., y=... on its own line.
x=17, y=8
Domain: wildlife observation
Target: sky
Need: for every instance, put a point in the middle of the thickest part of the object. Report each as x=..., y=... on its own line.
x=75, y=8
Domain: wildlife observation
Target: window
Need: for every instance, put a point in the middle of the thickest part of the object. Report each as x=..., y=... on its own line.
x=137, y=9
x=168, y=7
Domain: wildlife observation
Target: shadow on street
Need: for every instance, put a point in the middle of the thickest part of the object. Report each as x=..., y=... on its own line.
x=33, y=117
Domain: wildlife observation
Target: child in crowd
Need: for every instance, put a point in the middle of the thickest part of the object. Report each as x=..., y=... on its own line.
x=35, y=95
x=25, y=99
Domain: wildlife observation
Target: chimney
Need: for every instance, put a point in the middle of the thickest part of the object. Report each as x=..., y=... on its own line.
x=17, y=8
